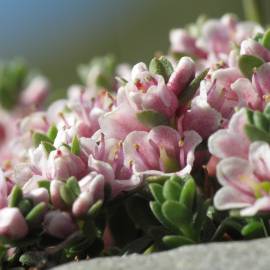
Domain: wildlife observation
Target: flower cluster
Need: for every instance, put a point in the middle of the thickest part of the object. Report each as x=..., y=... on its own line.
x=72, y=169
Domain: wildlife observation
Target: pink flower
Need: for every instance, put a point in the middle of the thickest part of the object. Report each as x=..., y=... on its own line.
x=246, y=182
x=12, y=223
x=252, y=47
x=3, y=190
x=146, y=91
x=231, y=142
x=59, y=224
x=161, y=149
x=35, y=93
x=182, y=42
x=217, y=88
x=62, y=164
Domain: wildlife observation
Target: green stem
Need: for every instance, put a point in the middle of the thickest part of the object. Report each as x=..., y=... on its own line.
x=253, y=10
x=266, y=227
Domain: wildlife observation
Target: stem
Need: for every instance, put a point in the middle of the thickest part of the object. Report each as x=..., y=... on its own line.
x=253, y=10
x=266, y=228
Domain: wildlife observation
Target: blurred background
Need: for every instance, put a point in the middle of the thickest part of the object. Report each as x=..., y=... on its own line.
x=57, y=35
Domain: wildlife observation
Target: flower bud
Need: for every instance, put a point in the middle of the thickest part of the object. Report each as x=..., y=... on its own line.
x=59, y=224
x=62, y=164
x=36, y=92
x=182, y=76
x=39, y=195
x=12, y=223
x=55, y=194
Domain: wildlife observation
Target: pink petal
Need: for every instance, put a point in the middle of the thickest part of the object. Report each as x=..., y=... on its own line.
x=259, y=157
x=237, y=173
x=252, y=47
x=228, y=198
x=224, y=144
x=120, y=122
x=262, y=204
x=182, y=76
x=138, y=149
x=247, y=95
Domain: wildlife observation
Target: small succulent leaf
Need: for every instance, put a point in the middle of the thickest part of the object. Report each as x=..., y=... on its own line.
x=48, y=146
x=176, y=213
x=174, y=241
x=261, y=121
x=36, y=212
x=253, y=230
x=266, y=39
x=156, y=209
x=15, y=196
x=156, y=190
x=95, y=208
x=25, y=205
x=73, y=185
x=188, y=193
x=75, y=146
x=247, y=64
x=40, y=137
x=190, y=91
x=152, y=118
x=67, y=195
x=52, y=132
x=255, y=134
x=171, y=190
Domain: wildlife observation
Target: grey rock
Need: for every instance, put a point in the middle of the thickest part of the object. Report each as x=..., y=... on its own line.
x=250, y=255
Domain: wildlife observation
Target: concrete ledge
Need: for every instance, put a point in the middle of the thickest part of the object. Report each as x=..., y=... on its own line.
x=250, y=255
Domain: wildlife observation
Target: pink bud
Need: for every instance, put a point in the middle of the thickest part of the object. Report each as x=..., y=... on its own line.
x=12, y=223
x=55, y=194
x=62, y=164
x=39, y=195
x=59, y=224
x=182, y=76
x=36, y=92
x=82, y=204
x=252, y=47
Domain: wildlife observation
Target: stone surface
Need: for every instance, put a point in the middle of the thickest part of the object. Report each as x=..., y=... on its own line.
x=251, y=255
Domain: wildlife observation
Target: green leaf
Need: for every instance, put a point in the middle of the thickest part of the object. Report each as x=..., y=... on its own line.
x=156, y=210
x=48, y=147
x=266, y=39
x=73, y=185
x=187, y=94
x=260, y=121
x=249, y=114
x=174, y=241
x=177, y=213
x=40, y=137
x=160, y=179
x=67, y=195
x=161, y=66
x=152, y=118
x=156, y=190
x=171, y=190
x=15, y=196
x=266, y=110
x=75, y=146
x=52, y=132
x=253, y=230
x=188, y=193
x=95, y=208
x=247, y=63
x=33, y=258
x=44, y=184
x=25, y=205
x=36, y=212
x=254, y=134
